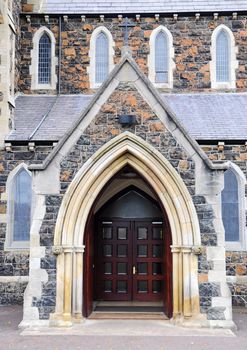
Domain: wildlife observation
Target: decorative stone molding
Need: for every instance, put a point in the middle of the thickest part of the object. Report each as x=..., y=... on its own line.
x=92, y=52
x=216, y=16
x=8, y=147
x=34, y=65
x=197, y=16
x=31, y=146
x=231, y=84
x=28, y=18
x=56, y=250
x=151, y=57
x=221, y=146
x=197, y=250
x=91, y=178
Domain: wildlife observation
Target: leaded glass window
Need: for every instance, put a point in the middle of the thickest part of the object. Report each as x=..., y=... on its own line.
x=21, y=205
x=102, y=58
x=222, y=57
x=230, y=206
x=44, y=63
x=161, y=58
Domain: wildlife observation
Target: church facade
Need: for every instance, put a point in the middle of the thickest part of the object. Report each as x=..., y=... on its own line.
x=123, y=161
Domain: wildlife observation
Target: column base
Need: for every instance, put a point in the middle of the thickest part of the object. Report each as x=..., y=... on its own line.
x=65, y=320
x=200, y=321
x=60, y=320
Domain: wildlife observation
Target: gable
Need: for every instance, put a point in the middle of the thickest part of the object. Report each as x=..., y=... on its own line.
x=127, y=72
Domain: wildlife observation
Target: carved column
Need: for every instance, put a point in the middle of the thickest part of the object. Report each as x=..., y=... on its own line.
x=176, y=287
x=186, y=251
x=68, y=252
x=77, y=286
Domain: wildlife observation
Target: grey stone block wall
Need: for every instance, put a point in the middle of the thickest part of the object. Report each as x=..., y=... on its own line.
x=236, y=261
x=11, y=293
x=14, y=263
x=101, y=130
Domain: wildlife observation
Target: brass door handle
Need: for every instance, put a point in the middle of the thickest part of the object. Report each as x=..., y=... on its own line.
x=134, y=270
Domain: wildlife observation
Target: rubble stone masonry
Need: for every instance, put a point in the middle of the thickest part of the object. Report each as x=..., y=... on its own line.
x=191, y=40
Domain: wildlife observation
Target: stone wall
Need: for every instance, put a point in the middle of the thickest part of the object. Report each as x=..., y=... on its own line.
x=102, y=129
x=236, y=261
x=191, y=44
x=236, y=269
x=14, y=265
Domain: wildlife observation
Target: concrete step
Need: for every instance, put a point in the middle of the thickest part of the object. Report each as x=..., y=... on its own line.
x=128, y=315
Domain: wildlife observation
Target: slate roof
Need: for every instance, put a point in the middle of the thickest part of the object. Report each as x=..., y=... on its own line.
x=215, y=116
x=212, y=116
x=138, y=6
x=30, y=111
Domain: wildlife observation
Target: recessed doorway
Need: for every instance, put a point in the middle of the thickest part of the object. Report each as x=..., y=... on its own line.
x=130, y=254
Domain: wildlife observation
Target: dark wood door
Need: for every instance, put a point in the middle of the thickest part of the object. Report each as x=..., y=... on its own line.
x=129, y=261
x=114, y=261
x=148, y=261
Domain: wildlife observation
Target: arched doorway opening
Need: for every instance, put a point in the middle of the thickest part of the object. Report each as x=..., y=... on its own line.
x=75, y=216
x=127, y=260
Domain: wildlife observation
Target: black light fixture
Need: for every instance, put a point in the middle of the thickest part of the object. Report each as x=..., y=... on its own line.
x=127, y=119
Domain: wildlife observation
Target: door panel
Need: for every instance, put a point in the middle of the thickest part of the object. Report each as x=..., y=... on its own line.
x=148, y=261
x=114, y=261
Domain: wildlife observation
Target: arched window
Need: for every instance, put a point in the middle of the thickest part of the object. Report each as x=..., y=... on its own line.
x=223, y=64
x=233, y=208
x=230, y=206
x=19, y=208
x=44, y=69
x=222, y=57
x=44, y=61
x=102, y=58
x=101, y=55
x=160, y=59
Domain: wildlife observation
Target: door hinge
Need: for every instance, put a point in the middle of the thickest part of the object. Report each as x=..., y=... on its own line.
x=134, y=270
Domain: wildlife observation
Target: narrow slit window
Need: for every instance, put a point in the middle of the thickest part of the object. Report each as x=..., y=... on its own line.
x=222, y=57
x=230, y=207
x=21, y=205
x=44, y=65
x=102, y=58
x=161, y=58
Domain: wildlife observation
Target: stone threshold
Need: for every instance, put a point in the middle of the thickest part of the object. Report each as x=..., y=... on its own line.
x=109, y=315
x=142, y=328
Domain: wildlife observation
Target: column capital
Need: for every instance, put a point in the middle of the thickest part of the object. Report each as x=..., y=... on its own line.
x=67, y=249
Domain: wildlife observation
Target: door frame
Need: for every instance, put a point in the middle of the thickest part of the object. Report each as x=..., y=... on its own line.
x=88, y=271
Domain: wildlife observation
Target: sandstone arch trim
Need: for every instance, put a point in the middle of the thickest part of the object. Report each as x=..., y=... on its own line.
x=126, y=149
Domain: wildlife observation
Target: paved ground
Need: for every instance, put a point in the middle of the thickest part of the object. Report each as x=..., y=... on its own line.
x=157, y=336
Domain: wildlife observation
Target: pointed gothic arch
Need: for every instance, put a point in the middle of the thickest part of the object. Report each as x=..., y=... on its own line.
x=168, y=57
x=223, y=43
x=19, y=194
x=126, y=149
x=36, y=83
x=105, y=35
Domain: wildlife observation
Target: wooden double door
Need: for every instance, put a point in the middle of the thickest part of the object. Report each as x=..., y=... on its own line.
x=130, y=260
